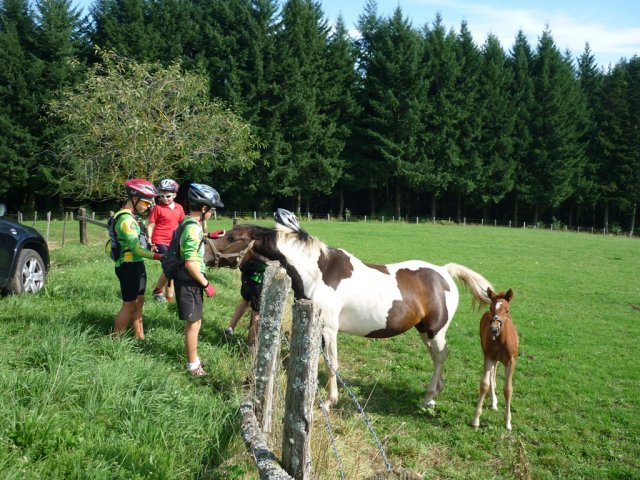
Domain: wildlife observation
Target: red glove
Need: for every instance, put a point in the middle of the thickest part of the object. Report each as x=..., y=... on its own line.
x=209, y=290
x=216, y=234
x=158, y=256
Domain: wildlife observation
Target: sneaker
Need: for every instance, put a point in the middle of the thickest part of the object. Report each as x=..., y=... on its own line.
x=228, y=334
x=159, y=297
x=198, y=371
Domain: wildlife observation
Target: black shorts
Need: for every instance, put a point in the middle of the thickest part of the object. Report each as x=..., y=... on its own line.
x=251, y=292
x=133, y=280
x=189, y=299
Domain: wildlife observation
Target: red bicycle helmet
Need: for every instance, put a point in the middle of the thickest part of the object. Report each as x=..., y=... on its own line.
x=140, y=188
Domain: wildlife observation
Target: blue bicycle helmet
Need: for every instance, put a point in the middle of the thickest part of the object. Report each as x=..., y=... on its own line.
x=200, y=194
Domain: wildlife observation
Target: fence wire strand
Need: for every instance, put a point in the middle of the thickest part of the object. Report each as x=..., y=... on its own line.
x=387, y=464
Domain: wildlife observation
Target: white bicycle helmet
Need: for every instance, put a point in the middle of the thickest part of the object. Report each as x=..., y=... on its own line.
x=168, y=185
x=286, y=219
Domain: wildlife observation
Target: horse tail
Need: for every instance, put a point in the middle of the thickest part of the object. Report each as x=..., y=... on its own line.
x=473, y=281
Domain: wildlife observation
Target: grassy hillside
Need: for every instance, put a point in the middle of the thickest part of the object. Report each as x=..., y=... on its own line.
x=78, y=404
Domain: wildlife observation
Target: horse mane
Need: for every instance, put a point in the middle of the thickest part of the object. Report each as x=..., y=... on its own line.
x=300, y=241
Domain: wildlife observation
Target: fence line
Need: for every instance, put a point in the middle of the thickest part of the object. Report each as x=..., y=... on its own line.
x=238, y=217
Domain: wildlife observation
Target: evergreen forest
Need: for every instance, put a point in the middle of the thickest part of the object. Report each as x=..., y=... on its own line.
x=384, y=117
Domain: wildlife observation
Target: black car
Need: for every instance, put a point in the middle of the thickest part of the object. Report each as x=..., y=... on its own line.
x=24, y=257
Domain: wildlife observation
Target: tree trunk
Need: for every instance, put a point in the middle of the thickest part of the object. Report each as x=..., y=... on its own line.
x=434, y=204
x=605, y=218
x=298, y=203
x=515, y=209
x=459, y=207
x=340, y=200
x=397, y=200
x=372, y=204
x=632, y=227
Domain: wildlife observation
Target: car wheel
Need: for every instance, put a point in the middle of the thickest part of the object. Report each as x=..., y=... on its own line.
x=30, y=273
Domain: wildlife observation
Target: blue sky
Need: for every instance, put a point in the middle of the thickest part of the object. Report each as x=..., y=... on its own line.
x=612, y=27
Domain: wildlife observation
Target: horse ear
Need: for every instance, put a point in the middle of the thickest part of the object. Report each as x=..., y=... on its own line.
x=509, y=295
x=490, y=293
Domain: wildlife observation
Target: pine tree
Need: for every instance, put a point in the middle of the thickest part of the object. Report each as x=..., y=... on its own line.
x=393, y=95
x=521, y=62
x=20, y=70
x=497, y=117
x=590, y=78
x=60, y=44
x=341, y=100
x=630, y=170
x=309, y=163
x=441, y=153
x=556, y=121
x=468, y=110
x=123, y=26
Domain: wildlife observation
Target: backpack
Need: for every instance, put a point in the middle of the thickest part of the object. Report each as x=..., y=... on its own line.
x=172, y=263
x=112, y=248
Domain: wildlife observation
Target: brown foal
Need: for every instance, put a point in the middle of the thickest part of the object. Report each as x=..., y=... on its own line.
x=499, y=340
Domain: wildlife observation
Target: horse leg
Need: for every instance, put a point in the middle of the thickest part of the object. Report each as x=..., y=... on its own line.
x=439, y=352
x=489, y=365
x=331, y=352
x=509, y=369
x=494, y=398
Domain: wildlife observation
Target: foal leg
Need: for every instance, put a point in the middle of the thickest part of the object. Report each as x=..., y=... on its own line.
x=484, y=388
x=439, y=352
x=509, y=369
x=494, y=398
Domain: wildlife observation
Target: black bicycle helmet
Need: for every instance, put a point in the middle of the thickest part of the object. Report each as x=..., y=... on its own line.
x=141, y=188
x=286, y=219
x=200, y=194
x=168, y=185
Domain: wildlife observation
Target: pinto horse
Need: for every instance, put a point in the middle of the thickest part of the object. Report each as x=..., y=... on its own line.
x=499, y=340
x=358, y=298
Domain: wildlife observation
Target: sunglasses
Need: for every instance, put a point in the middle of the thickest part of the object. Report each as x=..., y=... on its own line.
x=143, y=200
x=167, y=196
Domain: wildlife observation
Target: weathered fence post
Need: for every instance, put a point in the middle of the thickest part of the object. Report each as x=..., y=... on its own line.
x=64, y=227
x=302, y=383
x=82, y=212
x=274, y=299
x=35, y=217
x=266, y=461
x=48, y=226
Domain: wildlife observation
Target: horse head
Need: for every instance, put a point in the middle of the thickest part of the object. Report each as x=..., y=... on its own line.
x=236, y=246
x=499, y=310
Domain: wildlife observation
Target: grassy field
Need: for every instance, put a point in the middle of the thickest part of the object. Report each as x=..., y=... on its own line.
x=76, y=403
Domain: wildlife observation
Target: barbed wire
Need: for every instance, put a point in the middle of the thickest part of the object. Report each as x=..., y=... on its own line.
x=387, y=464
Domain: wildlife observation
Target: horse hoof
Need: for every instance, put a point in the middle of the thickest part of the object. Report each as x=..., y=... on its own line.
x=430, y=404
x=326, y=406
x=494, y=407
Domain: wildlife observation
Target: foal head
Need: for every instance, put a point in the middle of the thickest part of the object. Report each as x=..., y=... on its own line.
x=499, y=310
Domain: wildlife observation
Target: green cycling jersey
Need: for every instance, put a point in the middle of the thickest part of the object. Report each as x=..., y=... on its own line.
x=128, y=232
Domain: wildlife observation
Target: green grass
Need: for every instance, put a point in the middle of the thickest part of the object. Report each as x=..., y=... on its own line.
x=78, y=404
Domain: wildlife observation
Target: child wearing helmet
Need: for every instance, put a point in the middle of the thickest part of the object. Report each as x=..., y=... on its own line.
x=191, y=287
x=130, y=268
x=163, y=221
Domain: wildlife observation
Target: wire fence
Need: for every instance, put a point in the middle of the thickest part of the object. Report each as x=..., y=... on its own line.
x=43, y=221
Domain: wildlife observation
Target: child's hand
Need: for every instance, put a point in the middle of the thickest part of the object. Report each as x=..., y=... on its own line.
x=209, y=290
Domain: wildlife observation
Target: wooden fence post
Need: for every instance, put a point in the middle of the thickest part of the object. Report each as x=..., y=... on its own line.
x=64, y=227
x=48, y=226
x=266, y=461
x=302, y=383
x=82, y=212
x=275, y=292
